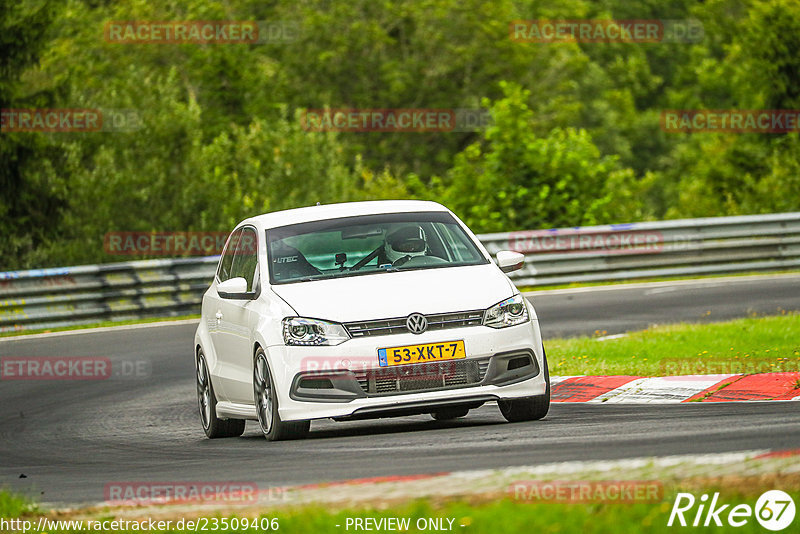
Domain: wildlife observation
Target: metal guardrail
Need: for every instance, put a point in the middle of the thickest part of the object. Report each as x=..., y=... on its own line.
x=686, y=247
x=50, y=298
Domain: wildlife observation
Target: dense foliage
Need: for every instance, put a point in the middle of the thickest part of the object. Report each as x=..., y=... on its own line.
x=575, y=137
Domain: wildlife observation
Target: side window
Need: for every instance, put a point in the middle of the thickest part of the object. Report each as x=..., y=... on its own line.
x=245, y=260
x=225, y=262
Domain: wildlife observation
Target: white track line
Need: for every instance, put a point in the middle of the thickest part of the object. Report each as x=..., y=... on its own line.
x=98, y=330
x=709, y=282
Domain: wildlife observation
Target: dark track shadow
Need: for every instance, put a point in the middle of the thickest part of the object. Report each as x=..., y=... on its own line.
x=378, y=427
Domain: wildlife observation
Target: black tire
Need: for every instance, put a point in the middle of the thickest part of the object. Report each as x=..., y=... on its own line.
x=449, y=413
x=531, y=408
x=213, y=426
x=266, y=401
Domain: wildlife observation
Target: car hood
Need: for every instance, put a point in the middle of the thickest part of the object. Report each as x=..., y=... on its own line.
x=398, y=294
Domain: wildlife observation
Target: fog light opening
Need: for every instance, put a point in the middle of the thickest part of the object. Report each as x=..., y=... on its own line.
x=316, y=383
x=516, y=363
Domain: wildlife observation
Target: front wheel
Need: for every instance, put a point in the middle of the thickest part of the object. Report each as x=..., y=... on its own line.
x=213, y=426
x=531, y=408
x=266, y=400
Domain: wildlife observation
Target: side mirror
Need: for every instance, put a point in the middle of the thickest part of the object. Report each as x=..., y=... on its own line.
x=509, y=261
x=234, y=288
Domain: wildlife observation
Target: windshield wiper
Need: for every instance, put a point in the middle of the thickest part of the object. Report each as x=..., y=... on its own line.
x=343, y=274
x=313, y=277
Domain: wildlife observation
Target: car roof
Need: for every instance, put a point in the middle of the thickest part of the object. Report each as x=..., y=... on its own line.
x=344, y=209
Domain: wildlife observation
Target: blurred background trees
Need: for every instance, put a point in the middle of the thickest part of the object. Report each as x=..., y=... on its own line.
x=575, y=137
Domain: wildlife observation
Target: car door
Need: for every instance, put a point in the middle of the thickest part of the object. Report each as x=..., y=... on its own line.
x=212, y=312
x=234, y=322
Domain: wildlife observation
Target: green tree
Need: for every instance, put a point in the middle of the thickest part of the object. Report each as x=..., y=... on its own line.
x=751, y=64
x=516, y=179
x=31, y=190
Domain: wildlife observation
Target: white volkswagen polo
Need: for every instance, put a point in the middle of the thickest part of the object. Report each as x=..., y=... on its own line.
x=363, y=310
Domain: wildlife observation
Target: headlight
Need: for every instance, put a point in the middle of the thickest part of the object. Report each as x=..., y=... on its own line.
x=303, y=331
x=510, y=312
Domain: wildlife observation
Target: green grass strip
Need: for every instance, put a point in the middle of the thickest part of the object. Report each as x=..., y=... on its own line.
x=750, y=345
x=501, y=516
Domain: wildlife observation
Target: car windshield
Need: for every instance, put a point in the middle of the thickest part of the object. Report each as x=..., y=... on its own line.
x=368, y=244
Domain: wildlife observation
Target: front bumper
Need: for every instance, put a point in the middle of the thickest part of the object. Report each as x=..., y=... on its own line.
x=346, y=380
x=348, y=385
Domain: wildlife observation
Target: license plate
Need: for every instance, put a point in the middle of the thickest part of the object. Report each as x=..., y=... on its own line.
x=429, y=352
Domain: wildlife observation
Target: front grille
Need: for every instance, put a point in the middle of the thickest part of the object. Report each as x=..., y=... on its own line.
x=443, y=321
x=422, y=377
x=436, y=321
x=376, y=328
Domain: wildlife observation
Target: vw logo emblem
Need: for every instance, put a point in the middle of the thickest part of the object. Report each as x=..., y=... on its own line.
x=416, y=323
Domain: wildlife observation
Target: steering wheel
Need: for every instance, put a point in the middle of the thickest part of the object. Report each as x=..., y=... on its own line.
x=401, y=261
x=418, y=261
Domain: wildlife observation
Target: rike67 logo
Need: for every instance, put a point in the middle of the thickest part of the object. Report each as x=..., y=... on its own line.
x=774, y=510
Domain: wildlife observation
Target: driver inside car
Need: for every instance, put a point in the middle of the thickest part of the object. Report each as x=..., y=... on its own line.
x=404, y=244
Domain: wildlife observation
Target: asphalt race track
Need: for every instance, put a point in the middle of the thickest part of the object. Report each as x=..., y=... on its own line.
x=70, y=439
x=620, y=308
